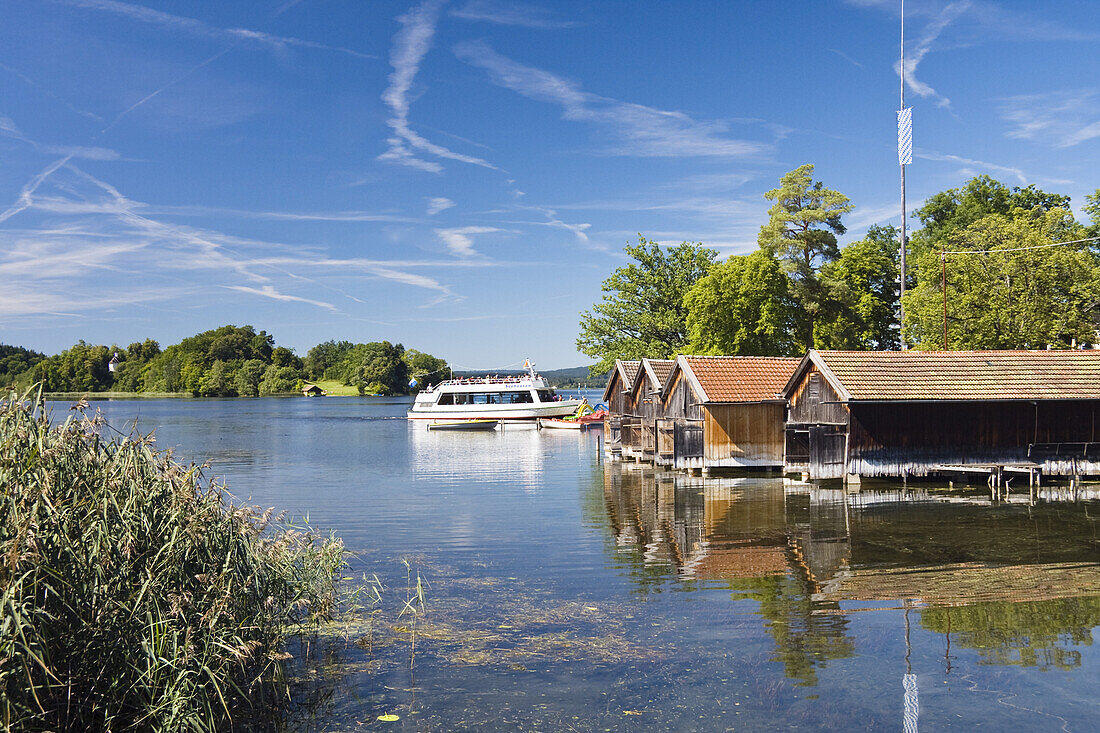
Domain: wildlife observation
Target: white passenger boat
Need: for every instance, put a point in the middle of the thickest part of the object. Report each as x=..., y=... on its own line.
x=512, y=399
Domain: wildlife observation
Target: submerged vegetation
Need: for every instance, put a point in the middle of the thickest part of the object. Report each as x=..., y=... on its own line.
x=133, y=593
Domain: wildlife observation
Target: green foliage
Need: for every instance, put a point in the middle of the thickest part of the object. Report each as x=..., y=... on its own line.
x=958, y=208
x=425, y=367
x=279, y=380
x=801, y=232
x=1007, y=300
x=325, y=357
x=377, y=368
x=742, y=306
x=863, y=288
x=135, y=596
x=81, y=368
x=229, y=361
x=1092, y=208
x=642, y=313
x=15, y=361
x=248, y=377
x=1027, y=634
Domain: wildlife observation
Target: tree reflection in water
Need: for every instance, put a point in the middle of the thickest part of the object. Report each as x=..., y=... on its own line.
x=1018, y=583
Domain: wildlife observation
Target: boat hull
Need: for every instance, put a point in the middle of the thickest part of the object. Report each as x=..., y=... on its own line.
x=463, y=425
x=549, y=423
x=505, y=413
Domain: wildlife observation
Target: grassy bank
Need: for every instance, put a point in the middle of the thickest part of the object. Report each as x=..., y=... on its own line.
x=134, y=595
x=337, y=389
x=74, y=396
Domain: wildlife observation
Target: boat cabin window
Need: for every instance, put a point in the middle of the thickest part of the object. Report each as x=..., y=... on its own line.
x=514, y=398
x=446, y=399
x=546, y=395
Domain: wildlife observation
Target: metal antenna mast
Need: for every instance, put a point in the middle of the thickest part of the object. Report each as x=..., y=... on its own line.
x=901, y=160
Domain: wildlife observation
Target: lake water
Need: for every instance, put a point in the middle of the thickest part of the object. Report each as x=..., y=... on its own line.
x=566, y=591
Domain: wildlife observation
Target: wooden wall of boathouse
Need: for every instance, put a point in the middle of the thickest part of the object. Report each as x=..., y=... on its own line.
x=721, y=434
x=910, y=438
x=829, y=438
x=615, y=396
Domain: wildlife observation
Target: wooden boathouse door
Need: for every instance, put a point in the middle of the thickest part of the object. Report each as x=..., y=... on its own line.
x=827, y=446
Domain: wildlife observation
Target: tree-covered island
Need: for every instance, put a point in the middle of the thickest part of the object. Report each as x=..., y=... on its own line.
x=1020, y=272
x=231, y=361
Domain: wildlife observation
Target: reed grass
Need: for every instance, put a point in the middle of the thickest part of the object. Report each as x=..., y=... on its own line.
x=134, y=594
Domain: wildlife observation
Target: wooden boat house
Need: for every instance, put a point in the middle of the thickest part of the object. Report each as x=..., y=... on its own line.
x=724, y=412
x=639, y=431
x=615, y=396
x=912, y=413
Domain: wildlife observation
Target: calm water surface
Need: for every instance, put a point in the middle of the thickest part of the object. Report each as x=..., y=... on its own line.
x=564, y=591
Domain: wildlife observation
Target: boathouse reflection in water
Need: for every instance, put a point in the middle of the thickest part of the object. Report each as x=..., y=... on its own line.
x=1018, y=583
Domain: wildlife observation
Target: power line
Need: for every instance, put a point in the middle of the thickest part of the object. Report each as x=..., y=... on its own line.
x=1017, y=249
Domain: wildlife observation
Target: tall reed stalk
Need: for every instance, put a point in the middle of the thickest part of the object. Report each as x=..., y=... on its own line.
x=133, y=593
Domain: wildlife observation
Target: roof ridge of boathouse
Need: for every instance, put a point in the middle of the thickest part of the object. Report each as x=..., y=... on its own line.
x=627, y=370
x=735, y=378
x=656, y=370
x=992, y=375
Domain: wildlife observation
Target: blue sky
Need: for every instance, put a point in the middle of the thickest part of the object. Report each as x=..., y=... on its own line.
x=461, y=176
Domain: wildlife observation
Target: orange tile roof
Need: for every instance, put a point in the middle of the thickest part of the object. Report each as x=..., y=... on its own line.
x=741, y=378
x=964, y=375
x=661, y=368
x=627, y=371
x=649, y=371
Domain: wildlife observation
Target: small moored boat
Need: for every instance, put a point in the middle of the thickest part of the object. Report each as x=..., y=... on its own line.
x=560, y=424
x=463, y=425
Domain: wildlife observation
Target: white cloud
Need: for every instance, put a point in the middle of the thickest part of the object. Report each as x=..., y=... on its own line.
x=1061, y=119
x=460, y=240
x=639, y=130
x=975, y=167
x=410, y=45
x=438, y=204
x=87, y=153
x=24, y=200
x=269, y=291
x=84, y=245
x=197, y=28
x=921, y=48
x=510, y=13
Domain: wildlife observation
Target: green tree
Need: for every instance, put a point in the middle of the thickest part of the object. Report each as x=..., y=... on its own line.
x=642, y=313
x=248, y=378
x=217, y=381
x=1007, y=299
x=958, y=208
x=284, y=357
x=80, y=368
x=325, y=356
x=16, y=361
x=426, y=368
x=279, y=380
x=801, y=232
x=863, y=285
x=742, y=306
x=1092, y=208
x=378, y=368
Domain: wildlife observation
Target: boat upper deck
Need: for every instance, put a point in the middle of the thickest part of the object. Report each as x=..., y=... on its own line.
x=495, y=383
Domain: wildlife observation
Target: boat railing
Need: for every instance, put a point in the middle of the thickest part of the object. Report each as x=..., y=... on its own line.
x=524, y=381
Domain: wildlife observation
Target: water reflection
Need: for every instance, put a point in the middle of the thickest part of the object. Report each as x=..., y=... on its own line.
x=1017, y=581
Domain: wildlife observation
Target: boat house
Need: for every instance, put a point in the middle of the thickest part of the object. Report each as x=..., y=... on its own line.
x=912, y=413
x=615, y=396
x=639, y=430
x=724, y=412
